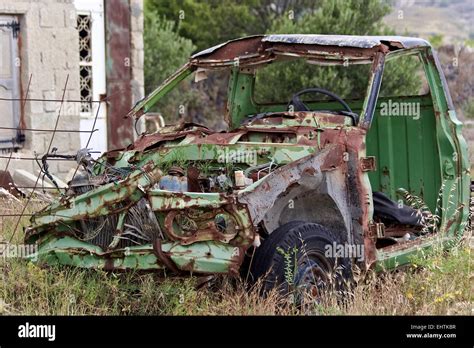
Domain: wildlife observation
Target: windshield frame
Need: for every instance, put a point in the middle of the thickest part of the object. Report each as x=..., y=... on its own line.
x=237, y=104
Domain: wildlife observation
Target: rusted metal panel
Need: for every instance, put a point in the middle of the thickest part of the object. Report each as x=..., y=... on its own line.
x=368, y=164
x=118, y=73
x=249, y=44
x=347, y=40
x=7, y=183
x=261, y=198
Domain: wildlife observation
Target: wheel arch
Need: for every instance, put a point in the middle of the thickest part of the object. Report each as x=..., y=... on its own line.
x=312, y=189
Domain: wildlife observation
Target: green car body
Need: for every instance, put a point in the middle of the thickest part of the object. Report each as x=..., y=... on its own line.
x=316, y=166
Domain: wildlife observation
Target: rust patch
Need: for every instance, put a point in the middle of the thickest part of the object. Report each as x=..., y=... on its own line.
x=236, y=260
x=217, y=138
x=163, y=257
x=333, y=160
x=236, y=48
x=6, y=182
x=370, y=250
x=193, y=183
x=405, y=245
x=146, y=142
x=368, y=164
x=109, y=264
x=119, y=75
x=321, y=50
x=400, y=231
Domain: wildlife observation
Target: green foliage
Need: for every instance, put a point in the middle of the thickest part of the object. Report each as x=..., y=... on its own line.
x=403, y=76
x=166, y=51
x=352, y=17
x=442, y=282
x=28, y=289
x=436, y=283
x=286, y=78
x=210, y=22
x=343, y=17
x=436, y=40
x=206, y=23
x=201, y=24
x=290, y=264
x=469, y=42
x=468, y=108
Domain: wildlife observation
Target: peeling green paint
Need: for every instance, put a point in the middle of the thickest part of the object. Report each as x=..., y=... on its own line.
x=428, y=158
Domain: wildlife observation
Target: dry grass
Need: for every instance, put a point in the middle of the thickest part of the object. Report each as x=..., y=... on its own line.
x=439, y=283
x=12, y=206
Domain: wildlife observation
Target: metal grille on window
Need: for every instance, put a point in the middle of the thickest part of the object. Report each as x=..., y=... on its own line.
x=84, y=24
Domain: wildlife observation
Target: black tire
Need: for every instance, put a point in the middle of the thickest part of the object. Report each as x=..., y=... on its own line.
x=304, y=244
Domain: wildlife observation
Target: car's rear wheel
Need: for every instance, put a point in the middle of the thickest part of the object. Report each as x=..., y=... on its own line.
x=299, y=257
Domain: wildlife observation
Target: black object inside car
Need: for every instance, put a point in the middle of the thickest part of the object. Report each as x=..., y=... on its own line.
x=390, y=212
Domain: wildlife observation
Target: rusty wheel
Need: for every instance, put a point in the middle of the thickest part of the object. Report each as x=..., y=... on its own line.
x=313, y=274
x=294, y=259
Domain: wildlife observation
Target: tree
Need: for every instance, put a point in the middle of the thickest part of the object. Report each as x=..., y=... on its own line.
x=201, y=24
x=210, y=22
x=345, y=17
x=165, y=52
x=205, y=23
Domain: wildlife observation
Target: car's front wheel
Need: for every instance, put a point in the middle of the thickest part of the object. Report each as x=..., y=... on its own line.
x=299, y=257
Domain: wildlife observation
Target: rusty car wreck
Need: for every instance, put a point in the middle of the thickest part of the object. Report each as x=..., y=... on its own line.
x=295, y=176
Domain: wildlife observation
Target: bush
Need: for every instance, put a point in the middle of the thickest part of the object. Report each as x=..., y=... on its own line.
x=165, y=52
x=468, y=108
x=352, y=17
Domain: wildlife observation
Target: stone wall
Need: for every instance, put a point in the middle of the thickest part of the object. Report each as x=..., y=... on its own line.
x=49, y=54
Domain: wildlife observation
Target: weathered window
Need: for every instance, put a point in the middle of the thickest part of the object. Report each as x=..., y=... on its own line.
x=277, y=82
x=84, y=24
x=398, y=77
x=9, y=83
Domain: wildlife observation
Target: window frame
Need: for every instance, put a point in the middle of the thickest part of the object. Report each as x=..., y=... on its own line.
x=8, y=144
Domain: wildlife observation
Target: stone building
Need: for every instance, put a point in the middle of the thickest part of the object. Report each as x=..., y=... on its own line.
x=97, y=46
